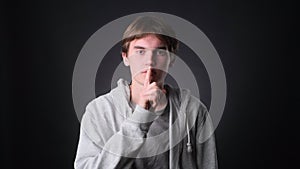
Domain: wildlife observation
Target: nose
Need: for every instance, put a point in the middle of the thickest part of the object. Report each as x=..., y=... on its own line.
x=150, y=58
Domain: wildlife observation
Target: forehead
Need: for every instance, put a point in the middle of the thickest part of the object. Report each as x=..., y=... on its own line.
x=148, y=41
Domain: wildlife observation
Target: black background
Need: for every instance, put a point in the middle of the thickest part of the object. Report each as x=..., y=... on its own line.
x=42, y=39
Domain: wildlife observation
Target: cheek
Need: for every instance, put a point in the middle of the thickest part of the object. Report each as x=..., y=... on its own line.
x=163, y=62
x=136, y=65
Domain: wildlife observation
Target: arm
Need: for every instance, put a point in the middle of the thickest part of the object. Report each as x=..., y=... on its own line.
x=91, y=156
x=205, y=142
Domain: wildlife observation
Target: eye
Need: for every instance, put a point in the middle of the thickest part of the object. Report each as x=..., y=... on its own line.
x=161, y=52
x=140, y=52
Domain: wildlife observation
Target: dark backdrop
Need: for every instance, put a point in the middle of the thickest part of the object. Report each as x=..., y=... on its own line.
x=256, y=42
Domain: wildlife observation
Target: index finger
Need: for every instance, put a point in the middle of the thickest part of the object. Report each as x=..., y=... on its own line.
x=147, y=78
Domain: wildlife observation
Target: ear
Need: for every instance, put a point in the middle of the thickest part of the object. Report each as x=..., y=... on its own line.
x=172, y=59
x=125, y=59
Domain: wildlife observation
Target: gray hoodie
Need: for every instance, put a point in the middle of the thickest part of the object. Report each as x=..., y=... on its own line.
x=113, y=135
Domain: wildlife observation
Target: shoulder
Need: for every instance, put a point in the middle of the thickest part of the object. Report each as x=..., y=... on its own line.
x=188, y=103
x=108, y=105
x=185, y=98
x=196, y=109
x=194, y=102
x=99, y=109
x=100, y=103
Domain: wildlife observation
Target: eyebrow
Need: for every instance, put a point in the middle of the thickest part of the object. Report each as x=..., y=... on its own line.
x=141, y=47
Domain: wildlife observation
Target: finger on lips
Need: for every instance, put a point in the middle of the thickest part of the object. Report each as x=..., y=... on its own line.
x=147, y=78
x=146, y=84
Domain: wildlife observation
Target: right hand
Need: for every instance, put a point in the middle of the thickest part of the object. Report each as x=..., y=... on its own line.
x=152, y=97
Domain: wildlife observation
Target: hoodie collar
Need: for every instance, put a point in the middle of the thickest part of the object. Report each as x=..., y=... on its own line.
x=121, y=97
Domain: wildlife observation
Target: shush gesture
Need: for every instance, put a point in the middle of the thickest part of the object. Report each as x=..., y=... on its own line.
x=152, y=96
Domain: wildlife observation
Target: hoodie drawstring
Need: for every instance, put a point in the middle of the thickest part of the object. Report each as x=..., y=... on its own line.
x=170, y=135
x=189, y=145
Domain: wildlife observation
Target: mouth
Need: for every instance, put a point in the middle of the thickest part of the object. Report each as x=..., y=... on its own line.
x=153, y=72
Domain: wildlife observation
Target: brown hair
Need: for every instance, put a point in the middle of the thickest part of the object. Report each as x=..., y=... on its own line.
x=149, y=25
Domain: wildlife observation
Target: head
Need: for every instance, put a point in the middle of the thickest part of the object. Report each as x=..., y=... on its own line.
x=149, y=42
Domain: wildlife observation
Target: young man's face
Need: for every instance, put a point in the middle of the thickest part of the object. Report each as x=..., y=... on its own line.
x=146, y=52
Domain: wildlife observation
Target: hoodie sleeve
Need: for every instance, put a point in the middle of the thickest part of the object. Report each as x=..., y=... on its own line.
x=116, y=147
x=205, y=142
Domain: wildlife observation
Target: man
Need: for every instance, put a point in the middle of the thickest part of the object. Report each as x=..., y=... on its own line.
x=145, y=123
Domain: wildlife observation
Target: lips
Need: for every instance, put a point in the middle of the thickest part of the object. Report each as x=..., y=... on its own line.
x=153, y=72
